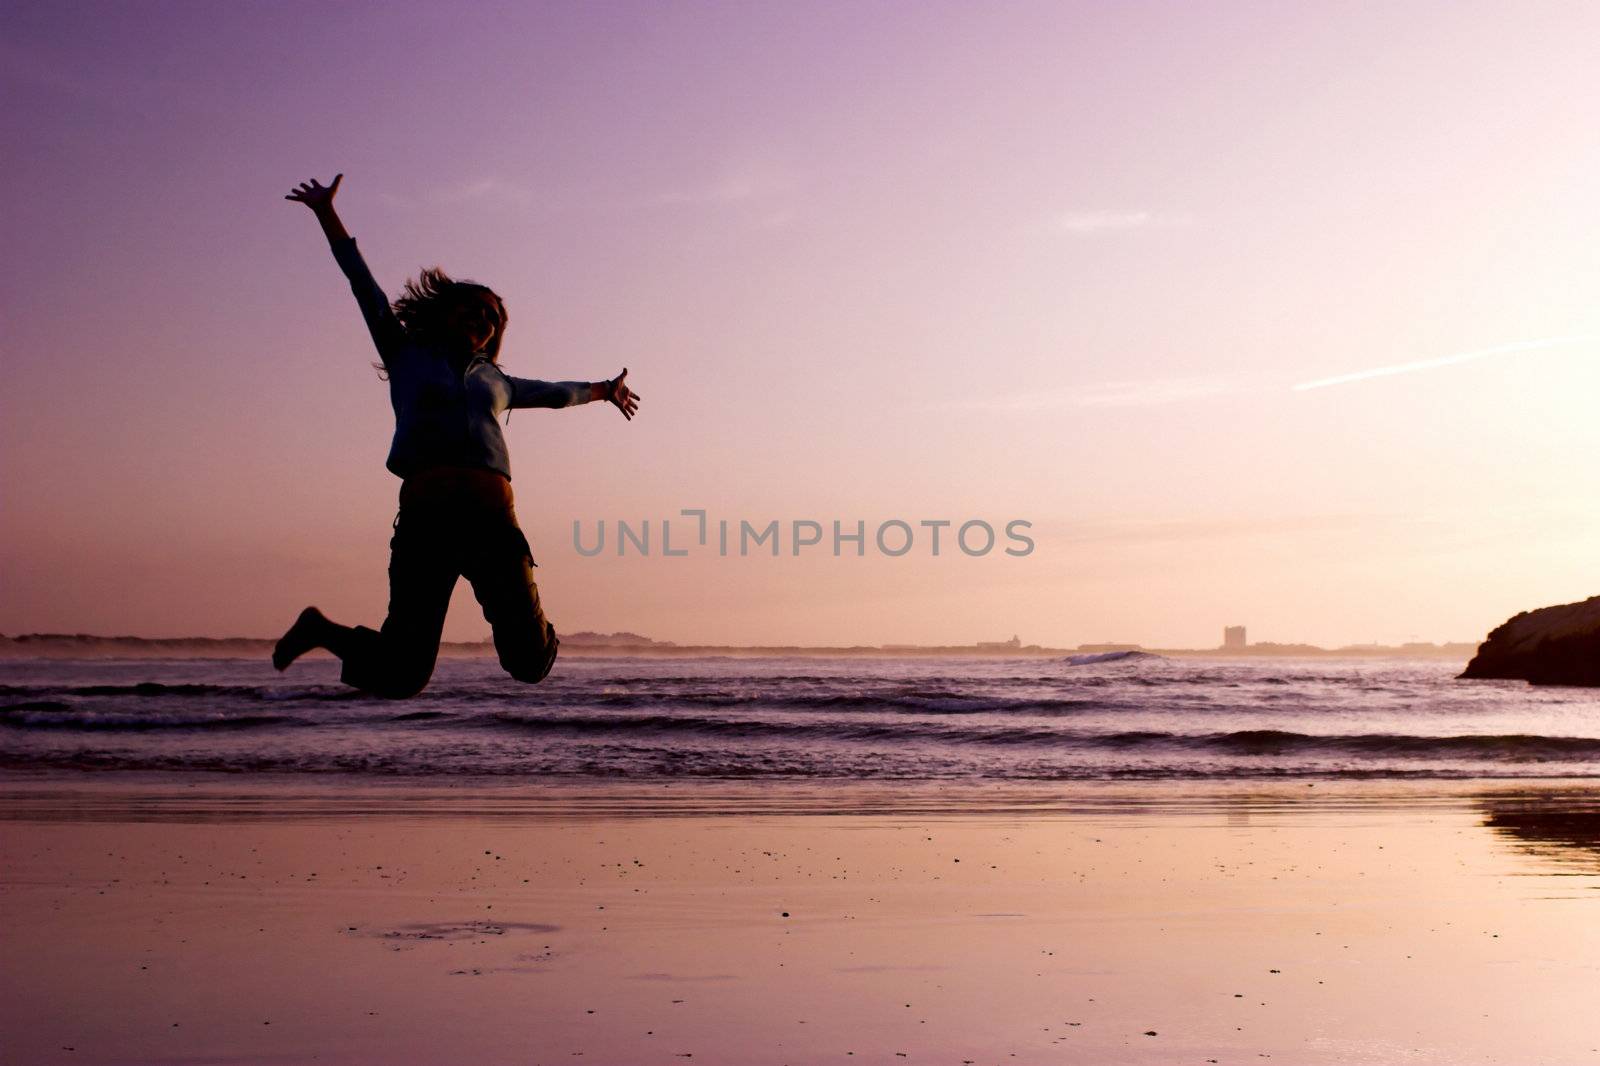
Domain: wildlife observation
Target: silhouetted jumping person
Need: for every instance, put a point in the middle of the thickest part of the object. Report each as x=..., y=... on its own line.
x=440, y=346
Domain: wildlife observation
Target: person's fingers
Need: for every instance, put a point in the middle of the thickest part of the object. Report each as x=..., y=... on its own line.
x=337, y=178
x=622, y=376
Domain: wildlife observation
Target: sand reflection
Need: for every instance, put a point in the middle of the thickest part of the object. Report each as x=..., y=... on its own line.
x=1560, y=826
x=1138, y=924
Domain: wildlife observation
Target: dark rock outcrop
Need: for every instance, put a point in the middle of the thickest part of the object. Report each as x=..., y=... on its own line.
x=1549, y=646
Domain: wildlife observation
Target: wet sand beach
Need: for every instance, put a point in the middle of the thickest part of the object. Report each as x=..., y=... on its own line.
x=210, y=921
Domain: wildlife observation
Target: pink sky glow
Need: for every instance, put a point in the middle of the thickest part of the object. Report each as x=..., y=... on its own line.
x=1061, y=262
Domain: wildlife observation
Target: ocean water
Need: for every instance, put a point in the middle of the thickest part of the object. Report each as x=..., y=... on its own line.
x=804, y=718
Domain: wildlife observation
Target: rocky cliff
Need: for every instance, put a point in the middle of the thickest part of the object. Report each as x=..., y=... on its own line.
x=1549, y=646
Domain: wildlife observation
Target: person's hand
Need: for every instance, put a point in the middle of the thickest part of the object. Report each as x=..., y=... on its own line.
x=314, y=194
x=626, y=399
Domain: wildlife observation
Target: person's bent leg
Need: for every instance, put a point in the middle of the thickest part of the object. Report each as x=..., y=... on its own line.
x=501, y=572
x=396, y=661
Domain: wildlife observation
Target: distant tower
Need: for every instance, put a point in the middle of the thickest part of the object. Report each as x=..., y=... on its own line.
x=1233, y=638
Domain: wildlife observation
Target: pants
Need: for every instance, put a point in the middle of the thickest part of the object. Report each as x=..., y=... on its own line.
x=453, y=522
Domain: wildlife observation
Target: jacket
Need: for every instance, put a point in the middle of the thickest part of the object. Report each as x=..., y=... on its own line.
x=443, y=416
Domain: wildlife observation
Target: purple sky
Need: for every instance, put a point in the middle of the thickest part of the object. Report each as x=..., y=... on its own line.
x=1052, y=261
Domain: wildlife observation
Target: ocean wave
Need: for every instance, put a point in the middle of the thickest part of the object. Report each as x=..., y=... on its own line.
x=1249, y=742
x=216, y=693
x=999, y=720
x=1504, y=746
x=930, y=699
x=60, y=717
x=1091, y=658
x=912, y=701
x=1028, y=694
x=639, y=763
x=928, y=719
x=142, y=688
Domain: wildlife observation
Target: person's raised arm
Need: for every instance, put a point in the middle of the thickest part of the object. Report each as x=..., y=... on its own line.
x=385, y=330
x=319, y=198
x=526, y=392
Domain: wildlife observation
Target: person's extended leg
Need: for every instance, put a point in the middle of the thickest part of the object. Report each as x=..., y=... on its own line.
x=312, y=629
x=501, y=571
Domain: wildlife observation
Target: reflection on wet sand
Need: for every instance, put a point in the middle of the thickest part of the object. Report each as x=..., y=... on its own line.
x=1132, y=923
x=1562, y=825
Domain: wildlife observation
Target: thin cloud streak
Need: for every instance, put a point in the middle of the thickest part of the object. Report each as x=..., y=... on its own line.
x=1148, y=393
x=1154, y=392
x=737, y=185
x=1446, y=360
x=1086, y=222
x=489, y=189
x=1135, y=531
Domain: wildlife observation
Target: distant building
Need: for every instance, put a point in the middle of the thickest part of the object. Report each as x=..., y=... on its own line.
x=1233, y=638
x=1001, y=645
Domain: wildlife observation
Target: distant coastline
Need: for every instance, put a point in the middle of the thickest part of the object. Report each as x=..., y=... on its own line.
x=632, y=645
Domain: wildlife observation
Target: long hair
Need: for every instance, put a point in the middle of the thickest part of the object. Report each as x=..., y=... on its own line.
x=420, y=307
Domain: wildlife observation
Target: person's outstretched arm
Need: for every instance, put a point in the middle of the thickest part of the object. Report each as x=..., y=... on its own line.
x=381, y=323
x=525, y=392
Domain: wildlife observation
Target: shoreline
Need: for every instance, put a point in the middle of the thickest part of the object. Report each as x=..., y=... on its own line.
x=25, y=793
